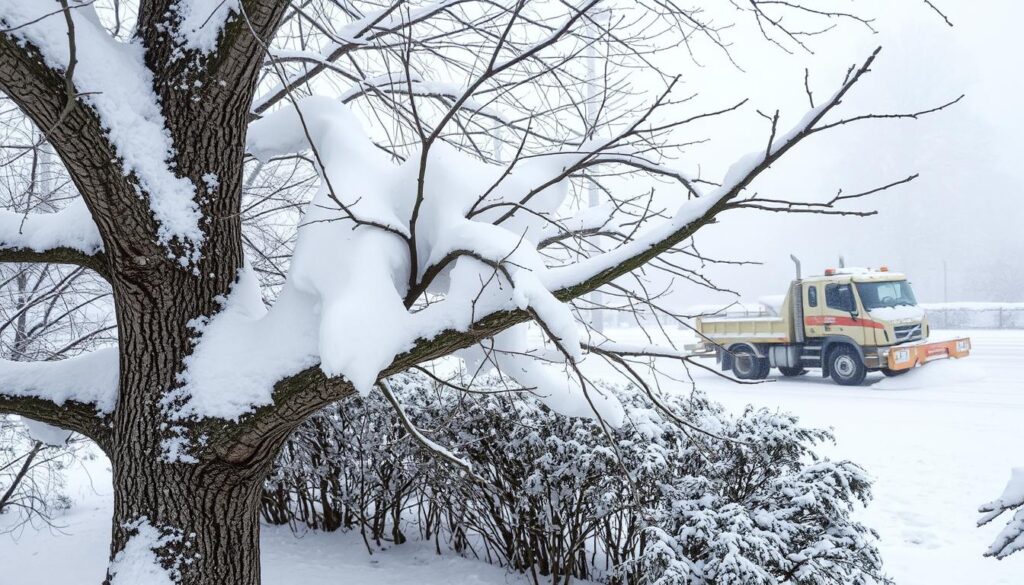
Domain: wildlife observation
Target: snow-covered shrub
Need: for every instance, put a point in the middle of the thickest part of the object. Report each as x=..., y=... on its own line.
x=651, y=502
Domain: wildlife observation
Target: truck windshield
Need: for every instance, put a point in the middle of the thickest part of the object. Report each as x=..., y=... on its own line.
x=875, y=295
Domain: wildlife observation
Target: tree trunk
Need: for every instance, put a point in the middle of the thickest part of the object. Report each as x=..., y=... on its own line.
x=210, y=512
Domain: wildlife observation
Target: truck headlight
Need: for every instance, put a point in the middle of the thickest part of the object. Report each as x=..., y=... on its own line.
x=963, y=345
x=901, y=355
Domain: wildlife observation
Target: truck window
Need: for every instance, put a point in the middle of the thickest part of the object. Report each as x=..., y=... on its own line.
x=840, y=297
x=812, y=296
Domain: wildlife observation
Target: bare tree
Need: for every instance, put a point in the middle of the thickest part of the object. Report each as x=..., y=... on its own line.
x=154, y=107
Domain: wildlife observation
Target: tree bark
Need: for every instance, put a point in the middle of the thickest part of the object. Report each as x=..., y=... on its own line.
x=213, y=509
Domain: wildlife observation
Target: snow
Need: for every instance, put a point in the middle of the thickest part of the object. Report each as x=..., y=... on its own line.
x=112, y=77
x=934, y=374
x=90, y=378
x=1011, y=539
x=936, y=448
x=1013, y=494
x=344, y=302
x=898, y=313
x=137, y=563
x=77, y=552
x=202, y=22
x=45, y=433
x=932, y=451
x=248, y=350
x=71, y=227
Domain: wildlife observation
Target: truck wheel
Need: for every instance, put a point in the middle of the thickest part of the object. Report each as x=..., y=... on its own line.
x=846, y=367
x=893, y=373
x=792, y=372
x=747, y=366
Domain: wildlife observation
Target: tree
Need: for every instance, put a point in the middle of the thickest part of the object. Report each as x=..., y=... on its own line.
x=417, y=244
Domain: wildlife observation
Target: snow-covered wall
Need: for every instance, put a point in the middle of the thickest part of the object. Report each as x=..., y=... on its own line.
x=975, y=315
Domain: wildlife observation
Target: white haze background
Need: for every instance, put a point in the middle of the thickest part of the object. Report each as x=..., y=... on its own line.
x=964, y=210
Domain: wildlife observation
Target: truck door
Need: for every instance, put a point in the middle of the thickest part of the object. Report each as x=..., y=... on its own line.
x=842, y=315
x=813, y=306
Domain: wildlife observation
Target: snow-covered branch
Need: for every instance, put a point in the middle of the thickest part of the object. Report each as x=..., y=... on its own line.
x=1011, y=538
x=68, y=236
x=75, y=393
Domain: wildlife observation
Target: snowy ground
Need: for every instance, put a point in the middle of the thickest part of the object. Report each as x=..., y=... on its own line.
x=939, y=441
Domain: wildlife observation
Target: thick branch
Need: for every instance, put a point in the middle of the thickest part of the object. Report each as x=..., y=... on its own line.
x=96, y=262
x=73, y=416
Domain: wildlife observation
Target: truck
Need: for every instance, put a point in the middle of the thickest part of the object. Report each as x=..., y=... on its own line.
x=846, y=322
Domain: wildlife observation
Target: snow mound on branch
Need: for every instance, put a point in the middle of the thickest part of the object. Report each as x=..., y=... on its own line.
x=90, y=378
x=1011, y=539
x=344, y=304
x=202, y=22
x=71, y=227
x=46, y=434
x=244, y=350
x=137, y=563
x=112, y=77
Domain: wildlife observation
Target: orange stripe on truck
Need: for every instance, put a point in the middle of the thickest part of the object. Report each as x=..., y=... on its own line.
x=843, y=321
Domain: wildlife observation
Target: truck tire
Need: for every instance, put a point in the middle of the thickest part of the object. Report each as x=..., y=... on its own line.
x=792, y=371
x=747, y=366
x=893, y=373
x=846, y=367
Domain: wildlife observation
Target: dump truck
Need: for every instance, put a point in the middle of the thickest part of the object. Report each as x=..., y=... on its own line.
x=846, y=322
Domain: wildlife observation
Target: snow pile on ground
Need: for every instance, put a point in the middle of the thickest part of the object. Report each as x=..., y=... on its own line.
x=71, y=227
x=112, y=77
x=938, y=373
x=90, y=378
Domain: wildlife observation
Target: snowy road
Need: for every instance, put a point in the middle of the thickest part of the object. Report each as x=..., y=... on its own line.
x=939, y=442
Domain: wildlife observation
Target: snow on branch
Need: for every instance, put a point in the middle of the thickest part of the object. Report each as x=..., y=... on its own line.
x=89, y=379
x=71, y=228
x=200, y=23
x=345, y=302
x=1011, y=538
x=111, y=77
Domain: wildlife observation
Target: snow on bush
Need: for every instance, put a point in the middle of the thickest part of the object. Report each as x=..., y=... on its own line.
x=645, y=503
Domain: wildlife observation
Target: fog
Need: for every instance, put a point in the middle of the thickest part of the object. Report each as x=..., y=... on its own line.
x=956, y=230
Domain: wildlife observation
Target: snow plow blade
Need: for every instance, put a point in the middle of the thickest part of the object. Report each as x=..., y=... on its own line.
x=904, y=357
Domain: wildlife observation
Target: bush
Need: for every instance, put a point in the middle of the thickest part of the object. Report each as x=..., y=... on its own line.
x=648, y=503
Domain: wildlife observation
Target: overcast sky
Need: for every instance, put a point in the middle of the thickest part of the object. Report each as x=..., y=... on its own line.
x=965, y=210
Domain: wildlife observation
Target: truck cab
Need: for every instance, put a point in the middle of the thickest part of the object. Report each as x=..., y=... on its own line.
x=847, y=322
